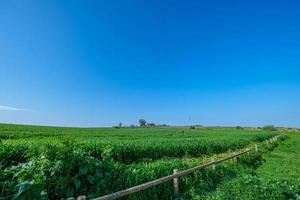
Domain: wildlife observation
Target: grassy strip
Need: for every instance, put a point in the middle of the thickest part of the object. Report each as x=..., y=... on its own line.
x=284, y=161
x=277, y=178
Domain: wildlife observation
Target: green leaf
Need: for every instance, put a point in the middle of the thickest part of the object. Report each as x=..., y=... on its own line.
x=91, y=179
x=69, y=192
x=77, y=183
x=83, y=170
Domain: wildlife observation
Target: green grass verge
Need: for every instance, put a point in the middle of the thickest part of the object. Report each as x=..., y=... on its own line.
x=284, y=162
x=277, y=179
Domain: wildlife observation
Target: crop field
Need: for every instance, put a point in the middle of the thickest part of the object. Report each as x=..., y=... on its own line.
x=38, y=162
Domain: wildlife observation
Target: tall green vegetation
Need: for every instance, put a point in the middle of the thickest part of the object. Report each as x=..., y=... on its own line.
x=54, y=163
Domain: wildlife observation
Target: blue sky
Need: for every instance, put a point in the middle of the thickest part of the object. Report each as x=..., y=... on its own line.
x=97, y=63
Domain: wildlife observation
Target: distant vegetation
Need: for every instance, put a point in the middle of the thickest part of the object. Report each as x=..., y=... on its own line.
x=269, y=128
x=142, y=123
x=192, y=127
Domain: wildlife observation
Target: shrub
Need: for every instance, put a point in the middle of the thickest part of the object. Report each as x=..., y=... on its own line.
x=269, y=128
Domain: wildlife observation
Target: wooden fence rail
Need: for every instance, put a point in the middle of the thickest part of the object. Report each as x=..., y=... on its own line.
x=144, y=186
x=174, y=176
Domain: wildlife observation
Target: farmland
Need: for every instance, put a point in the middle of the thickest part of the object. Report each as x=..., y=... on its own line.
x=41, y=162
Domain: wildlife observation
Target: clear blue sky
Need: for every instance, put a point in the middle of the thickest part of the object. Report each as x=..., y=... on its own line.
x=97, y=63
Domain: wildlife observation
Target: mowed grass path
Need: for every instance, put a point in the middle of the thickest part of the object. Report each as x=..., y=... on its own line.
x=284, y=162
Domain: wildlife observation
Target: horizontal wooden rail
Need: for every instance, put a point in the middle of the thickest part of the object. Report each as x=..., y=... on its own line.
x=144, y=186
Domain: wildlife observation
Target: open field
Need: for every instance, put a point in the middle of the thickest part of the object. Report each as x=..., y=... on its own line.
x=55, y=162
x=133, y=144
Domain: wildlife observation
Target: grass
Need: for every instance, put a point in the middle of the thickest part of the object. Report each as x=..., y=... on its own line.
x=278, y=178
x=284, y=162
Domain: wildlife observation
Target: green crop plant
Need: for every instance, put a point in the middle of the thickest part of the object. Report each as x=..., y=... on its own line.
x=54, y=162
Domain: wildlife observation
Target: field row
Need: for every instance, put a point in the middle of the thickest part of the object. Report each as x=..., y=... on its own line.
x=133, y=144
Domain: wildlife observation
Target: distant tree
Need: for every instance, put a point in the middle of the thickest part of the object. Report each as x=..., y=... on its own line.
x=132, y=126
x=239, y=127
x=269, y=128
x=192, y=127
x=142, y=123
x=161, y=125
x=120, y=125
x=151, y=124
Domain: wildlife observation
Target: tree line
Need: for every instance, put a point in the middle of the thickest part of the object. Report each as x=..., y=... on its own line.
x=141, y=123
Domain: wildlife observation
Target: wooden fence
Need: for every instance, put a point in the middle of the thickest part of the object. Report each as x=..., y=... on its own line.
x=174, y=176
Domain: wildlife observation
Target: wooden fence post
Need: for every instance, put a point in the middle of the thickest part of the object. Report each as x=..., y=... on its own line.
x=256, y=148
x=82, y=197
x=234, y=159
x=175, y=181
x=175, y=177
x=214, y=165
x=267, y=141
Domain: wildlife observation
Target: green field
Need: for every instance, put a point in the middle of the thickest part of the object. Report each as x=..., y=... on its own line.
x=40, y=162
x=277, y=178
x=133, y=144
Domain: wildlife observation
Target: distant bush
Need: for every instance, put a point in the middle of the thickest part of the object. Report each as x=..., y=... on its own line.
x=151, y=124
x=192, y=127
x=269, y=128
x=162, y=125
x=239, y=127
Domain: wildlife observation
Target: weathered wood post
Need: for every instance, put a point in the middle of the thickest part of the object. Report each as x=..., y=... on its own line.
x=234, y=158
x=256, y=148
x=175, y=181
x=82, y=197
x=214, y=165
x=267, y=141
